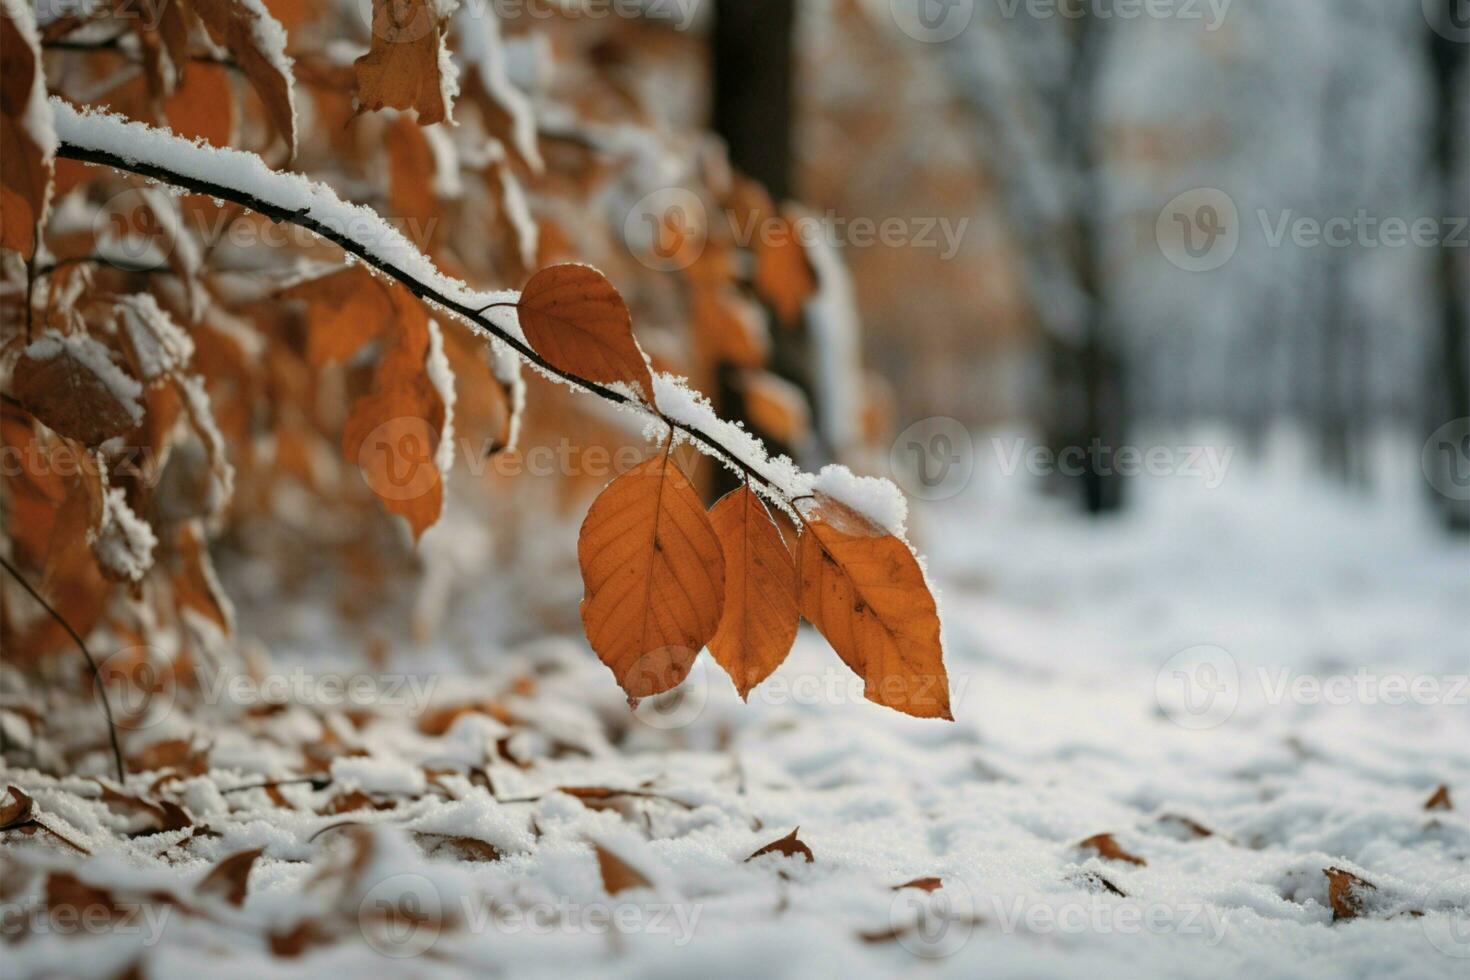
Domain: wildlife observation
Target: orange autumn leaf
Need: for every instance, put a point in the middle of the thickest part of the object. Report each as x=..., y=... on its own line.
x=783, y=277
x=728, y=326
x=788, y=846
x=1345, y=892
x=344, y=310
x=760, y=619
x=575, y=318
x=401, y=68
x=203, y=107
x=195, y=584
x=654, y=577
x=618, y=875
x=25, y=166
x=862, y=588
x=1440, y=800
x=392, y=434
x=1109, y=849
x=258, y=42
x=776, y=408
x=411, y=181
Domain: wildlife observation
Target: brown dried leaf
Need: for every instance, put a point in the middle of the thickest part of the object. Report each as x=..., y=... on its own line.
x=18, y=811
x=393, y=433
x=1345, y=893
x=617, y=874
x=25, y=168
x=401, y=68
x=458, y=847
x=344, y=310
x=1108, y=848
x=760, y=618
x=575, y=318
x=235, y=26
x=923, y=884
x=204, y=105
x=776, y=408
x=864, y=591
x=789, y=846
x=654, y=577
x=1440, y=800
x=783, y=277
x=66, y=383
x=229, y=879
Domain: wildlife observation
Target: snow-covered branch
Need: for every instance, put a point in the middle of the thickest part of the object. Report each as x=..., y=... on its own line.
x=245, y=179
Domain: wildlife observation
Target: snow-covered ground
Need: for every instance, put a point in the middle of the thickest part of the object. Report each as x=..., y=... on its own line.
x=1248, y=685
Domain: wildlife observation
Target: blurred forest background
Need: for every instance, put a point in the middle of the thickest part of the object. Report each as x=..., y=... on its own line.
x=1065, y=138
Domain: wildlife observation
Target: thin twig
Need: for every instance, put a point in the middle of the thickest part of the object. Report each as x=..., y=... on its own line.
x=423, y=291
x=117, y=758
x=317, y=783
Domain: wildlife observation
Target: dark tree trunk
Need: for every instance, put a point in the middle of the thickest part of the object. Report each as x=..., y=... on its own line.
x=754, y=112
x=1088, y=372
x=753, y=88
x=1450, y=365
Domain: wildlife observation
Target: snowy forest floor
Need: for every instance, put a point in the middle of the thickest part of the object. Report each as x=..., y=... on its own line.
x=1248, y=687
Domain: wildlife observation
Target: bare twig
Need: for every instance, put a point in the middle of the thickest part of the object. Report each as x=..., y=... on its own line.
x=117, y=759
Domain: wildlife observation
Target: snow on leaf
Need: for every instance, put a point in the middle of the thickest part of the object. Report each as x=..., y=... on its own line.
x=864, y=591
x=27, y=140
x=760, y=619
x=407, y=66
x=1110, y=849
x=654, y=577
x=71, y=383
x=1345, y=892
x=790, y=846
x=575, y=318
x=17, y=811
x=258, y=42
x=228, y=880
x=122, y=542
